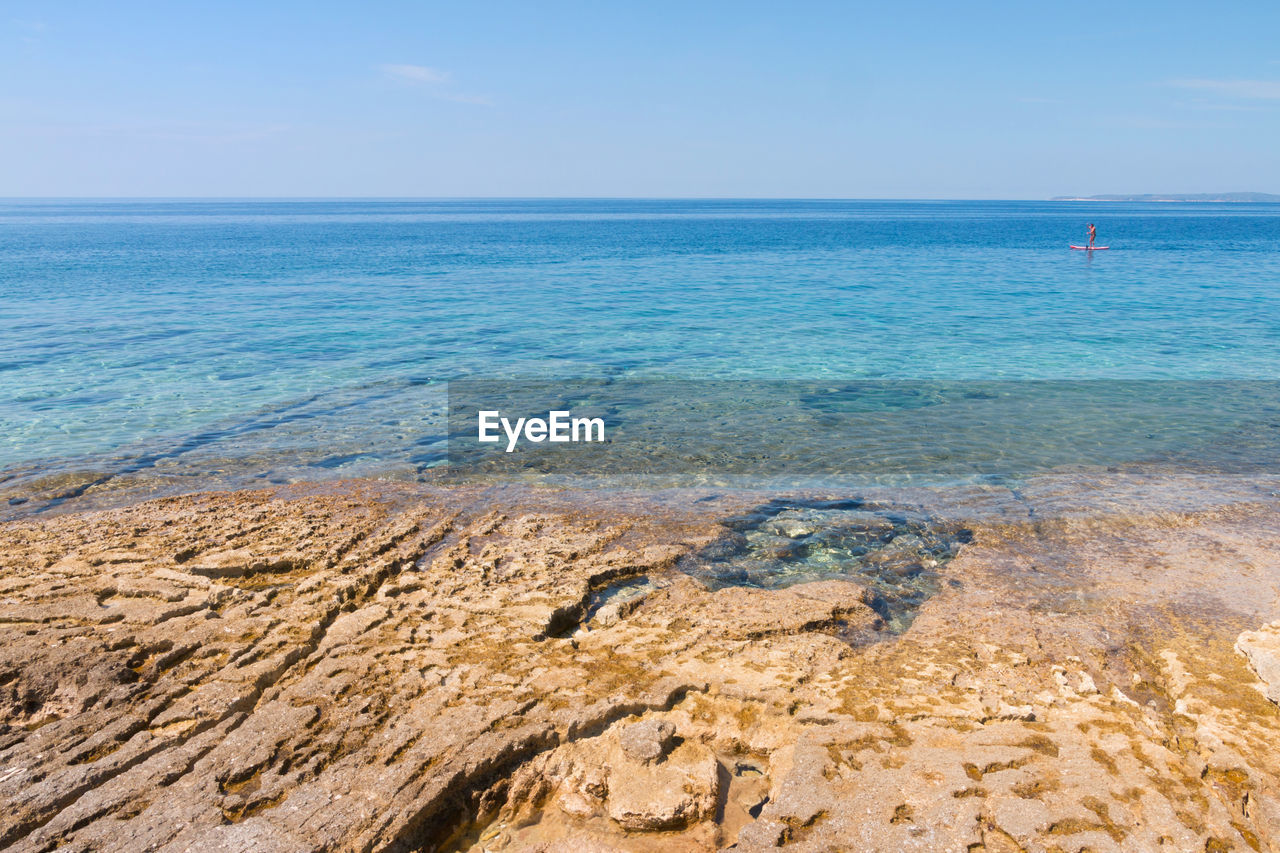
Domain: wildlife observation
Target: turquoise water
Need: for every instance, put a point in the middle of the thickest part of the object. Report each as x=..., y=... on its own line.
x=315, y=338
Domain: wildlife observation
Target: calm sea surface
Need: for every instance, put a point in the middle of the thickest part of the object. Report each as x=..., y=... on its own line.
x=314, y=339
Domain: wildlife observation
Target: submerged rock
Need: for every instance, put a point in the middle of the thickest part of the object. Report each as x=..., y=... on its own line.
x=791, y=527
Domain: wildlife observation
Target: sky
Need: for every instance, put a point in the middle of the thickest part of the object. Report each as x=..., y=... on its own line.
x=908, y=99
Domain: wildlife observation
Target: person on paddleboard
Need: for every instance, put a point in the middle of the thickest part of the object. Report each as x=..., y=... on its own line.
x=1093, y=234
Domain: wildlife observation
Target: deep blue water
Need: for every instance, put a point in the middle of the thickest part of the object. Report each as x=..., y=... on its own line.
x=178, y=335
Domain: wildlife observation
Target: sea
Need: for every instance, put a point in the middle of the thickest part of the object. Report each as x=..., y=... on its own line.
x=196, y=343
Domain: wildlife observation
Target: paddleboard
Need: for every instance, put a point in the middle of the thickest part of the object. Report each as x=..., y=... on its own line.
x=1091, y=248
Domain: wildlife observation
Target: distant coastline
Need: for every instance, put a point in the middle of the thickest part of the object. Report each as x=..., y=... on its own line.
x=1230, y=198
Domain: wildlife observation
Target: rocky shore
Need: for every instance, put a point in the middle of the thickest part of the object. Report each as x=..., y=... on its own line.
x=374, y=667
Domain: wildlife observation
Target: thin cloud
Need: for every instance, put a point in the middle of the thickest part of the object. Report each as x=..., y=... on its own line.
x=192, y=132
x=1254, y=90
x=31, y=25
x=465, y=99
x=1221, y=106
x=29, y=32
x=416, y=73
x=1142, y=122
x=434, y=82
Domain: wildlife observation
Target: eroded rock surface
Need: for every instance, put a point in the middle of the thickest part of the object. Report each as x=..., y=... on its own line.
x=647, y=741
x=373, y=669
x=1262, y=648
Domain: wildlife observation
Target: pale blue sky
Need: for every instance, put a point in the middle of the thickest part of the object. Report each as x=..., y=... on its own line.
x=861, y=100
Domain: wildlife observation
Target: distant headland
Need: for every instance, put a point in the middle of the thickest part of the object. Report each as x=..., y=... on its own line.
x=1194, y=197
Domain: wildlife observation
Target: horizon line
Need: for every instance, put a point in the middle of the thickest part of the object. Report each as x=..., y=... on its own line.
x=492, y=198
x=1108, y=198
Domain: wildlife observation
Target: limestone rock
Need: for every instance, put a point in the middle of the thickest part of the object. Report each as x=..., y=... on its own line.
x=399, y=667
x=1262, y=649
x=669, y=795
x=648, y=740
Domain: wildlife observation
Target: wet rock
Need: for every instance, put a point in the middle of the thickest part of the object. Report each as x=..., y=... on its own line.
x=724, y=547
x=861, y=523
x=577, y=844
x=790, y=527
x=907, y=549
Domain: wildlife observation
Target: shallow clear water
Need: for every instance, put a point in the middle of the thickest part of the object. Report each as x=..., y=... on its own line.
x=178, y=335
x=894, y=553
